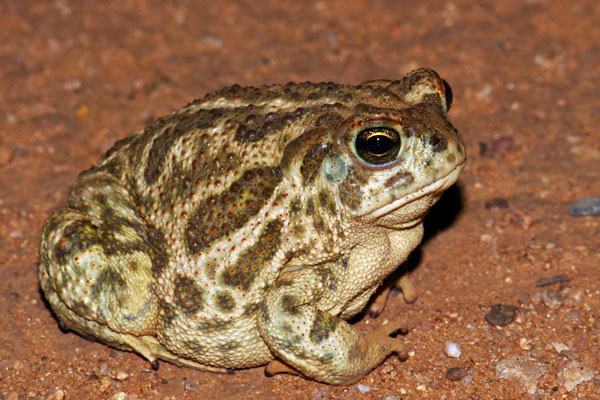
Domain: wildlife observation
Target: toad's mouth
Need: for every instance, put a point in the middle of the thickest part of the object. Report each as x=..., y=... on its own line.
x=436, y=186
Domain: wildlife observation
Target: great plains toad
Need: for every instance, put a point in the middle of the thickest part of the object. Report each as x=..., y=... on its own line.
x=248, y=226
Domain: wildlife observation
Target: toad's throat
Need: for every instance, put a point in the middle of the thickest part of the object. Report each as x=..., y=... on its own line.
x=436, y=186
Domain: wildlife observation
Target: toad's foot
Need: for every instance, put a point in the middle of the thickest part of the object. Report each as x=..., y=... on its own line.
x=379, y=338
x=378, y=303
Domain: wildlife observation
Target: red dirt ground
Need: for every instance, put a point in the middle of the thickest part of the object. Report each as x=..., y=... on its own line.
x=75, y=76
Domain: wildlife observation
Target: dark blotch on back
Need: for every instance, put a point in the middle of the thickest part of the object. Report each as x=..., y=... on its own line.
x=243, y=273
x=158, y=254
x=313, y=139
x=188, y=295
x=220, y=215
x=176, y=126
x=256, y=126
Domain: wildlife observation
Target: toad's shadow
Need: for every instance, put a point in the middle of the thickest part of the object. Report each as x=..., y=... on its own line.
x=443, y=213
x=440, y=217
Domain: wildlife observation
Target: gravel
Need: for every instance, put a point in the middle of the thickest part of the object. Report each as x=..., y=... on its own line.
x=585, y=207
x=553, y=300
x=456, y=373
x=574, y=373
x=453, y=350
x=501, y=314
x=498, y=202
x=552, y=280
x=524, y=372
x=502, y=145
x=363, y=388
x=189, y=386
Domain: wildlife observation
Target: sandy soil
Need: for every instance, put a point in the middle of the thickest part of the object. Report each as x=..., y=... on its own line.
x=75, y=76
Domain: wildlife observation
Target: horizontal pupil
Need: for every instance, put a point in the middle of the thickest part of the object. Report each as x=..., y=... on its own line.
x=379, y=144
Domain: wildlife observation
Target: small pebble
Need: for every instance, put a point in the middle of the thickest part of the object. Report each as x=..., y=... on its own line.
x=453, y=350
x=521, y=219
x=456, y=373
x=189, y=386
x=553, y=300
x=57, y=395
x=103, y=368
x=572, y=317
x=119, y=375
x=552, y=280
x=483, y=149
x=502, y=145
x=525, y=344
x=523, y=297
x=497, y=202
x=119, y=396
x=570, y=354
x=147, y=389
x=72, y=85
x=559, y=346
x=363, y=388
x=584, y=207
x=572, y=297
x=82, y=111
x=524, y=372
x=536, y=298
x=501, y=314
x=536, y=353
x=386, y=369
x=105, y=384
x=574, y=373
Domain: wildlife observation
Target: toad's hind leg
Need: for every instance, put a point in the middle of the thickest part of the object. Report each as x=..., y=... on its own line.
x=97, y=260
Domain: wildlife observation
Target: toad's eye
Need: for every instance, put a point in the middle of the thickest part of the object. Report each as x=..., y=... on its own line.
x=377, y=145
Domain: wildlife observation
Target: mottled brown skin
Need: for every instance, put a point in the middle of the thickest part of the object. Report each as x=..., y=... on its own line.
x=251, y=224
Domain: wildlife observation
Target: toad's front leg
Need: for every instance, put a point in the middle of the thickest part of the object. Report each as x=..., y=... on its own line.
x=315, y=343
